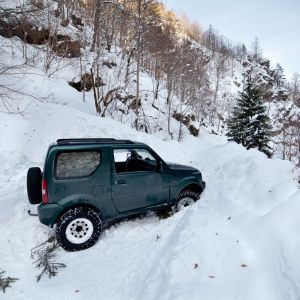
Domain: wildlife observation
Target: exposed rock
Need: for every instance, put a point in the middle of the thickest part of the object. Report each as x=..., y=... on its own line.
x=65, y=22
x=56, y=13
x=77, y=22
x=193, y=130
x=132, y=104
x=76, y=85
x=86, y=83
x=63, y=46
x=186, y=120
x=109, y=63
x=25, y=31
x=126, y=98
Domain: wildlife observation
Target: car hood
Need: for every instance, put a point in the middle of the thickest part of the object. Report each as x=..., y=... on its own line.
x=182, y=168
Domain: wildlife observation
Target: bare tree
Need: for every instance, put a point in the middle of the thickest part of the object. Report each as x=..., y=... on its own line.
x=256, y=49
x=10, y=88
x=104, y=20
x=295, y=88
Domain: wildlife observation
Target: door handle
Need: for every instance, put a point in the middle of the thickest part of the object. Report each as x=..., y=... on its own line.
x=121, y=182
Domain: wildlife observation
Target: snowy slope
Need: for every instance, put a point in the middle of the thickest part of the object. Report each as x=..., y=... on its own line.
x=248, y=215
x=129, y=262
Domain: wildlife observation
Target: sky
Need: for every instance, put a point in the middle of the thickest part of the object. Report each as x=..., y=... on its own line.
x=276, y=23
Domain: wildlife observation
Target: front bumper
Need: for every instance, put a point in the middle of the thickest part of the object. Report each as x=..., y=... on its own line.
x=48, y=213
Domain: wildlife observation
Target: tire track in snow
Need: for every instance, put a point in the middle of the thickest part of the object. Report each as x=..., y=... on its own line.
x=289, y=286
x=163, y=258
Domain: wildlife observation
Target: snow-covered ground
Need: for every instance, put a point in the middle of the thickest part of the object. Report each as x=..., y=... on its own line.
x=249, y=214
x=239, y=241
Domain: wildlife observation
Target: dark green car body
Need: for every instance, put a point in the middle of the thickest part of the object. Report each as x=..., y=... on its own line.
x=113, y=195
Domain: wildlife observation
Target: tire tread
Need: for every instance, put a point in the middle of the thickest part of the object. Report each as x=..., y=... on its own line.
x=70, y=215
x=34, y=185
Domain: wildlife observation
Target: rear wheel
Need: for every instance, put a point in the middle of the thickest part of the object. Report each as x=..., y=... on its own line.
x=78, y=229
x=186, y=198
x=34, y=185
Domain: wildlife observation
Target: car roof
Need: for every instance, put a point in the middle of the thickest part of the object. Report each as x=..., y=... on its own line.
x=93, y=141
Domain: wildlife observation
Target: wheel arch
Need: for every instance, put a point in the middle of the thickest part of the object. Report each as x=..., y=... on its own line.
x=193, y=187
x=87, y=205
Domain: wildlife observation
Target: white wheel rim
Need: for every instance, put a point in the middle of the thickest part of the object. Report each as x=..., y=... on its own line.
x=79, y=231
x=184, y=202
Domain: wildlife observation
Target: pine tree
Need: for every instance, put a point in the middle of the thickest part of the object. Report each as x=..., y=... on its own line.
x=249, y=124
x=279, y=76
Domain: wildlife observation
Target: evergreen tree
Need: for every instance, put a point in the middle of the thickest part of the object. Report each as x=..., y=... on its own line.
x=249, y=124
x=279, y=76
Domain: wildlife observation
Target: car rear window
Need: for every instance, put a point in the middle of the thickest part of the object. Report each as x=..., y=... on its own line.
x=76, y=164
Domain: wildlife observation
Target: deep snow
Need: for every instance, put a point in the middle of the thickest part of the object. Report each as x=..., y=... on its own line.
x=248, y=215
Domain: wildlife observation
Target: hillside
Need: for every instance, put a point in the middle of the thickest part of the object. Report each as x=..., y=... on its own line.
x=179, y=74
x=247, y=215
x=239, y=241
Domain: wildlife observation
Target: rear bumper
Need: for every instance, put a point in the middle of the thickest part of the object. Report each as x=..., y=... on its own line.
x=48, y=213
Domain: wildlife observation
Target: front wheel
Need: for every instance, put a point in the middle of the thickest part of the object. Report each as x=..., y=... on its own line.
x=186, y=198
x=78, y=229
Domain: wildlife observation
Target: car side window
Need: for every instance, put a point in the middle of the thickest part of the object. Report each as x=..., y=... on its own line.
x=134, y=160
x=76, y=164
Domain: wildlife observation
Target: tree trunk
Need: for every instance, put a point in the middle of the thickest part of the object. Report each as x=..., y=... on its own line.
x=138, y=66
x=96, y=25
x=97, y=106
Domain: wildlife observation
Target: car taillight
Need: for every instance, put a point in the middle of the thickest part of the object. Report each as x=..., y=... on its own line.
x=44, y=192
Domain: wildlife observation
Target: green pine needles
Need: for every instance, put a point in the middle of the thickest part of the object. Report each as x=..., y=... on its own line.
x=5, y=282
x=44, y=258
x=249, y=124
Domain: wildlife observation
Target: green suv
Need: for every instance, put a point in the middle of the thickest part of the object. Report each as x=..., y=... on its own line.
x=87, y=183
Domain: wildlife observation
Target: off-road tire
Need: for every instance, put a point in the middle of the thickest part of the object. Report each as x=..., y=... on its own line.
x=186, y=194
x=70, y=217
x=34, y=185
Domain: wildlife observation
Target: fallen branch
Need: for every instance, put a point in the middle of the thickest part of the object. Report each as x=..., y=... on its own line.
x=5, y=282
x=43, y=255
